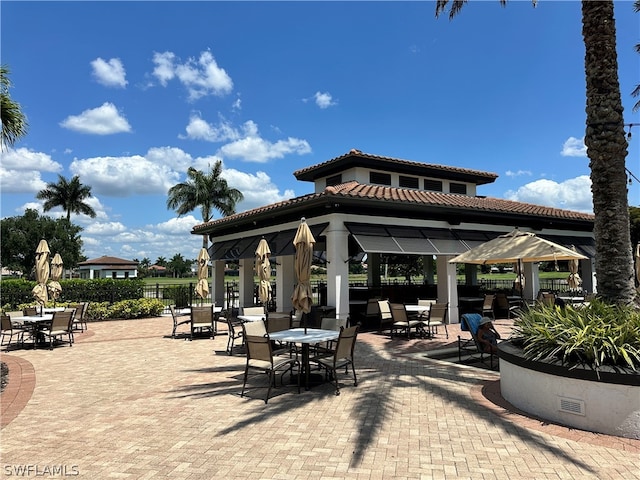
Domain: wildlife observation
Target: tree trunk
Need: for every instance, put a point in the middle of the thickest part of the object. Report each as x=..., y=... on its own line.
x=607, y=150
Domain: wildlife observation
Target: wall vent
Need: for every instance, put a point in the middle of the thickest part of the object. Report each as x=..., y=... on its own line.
x=571, y=405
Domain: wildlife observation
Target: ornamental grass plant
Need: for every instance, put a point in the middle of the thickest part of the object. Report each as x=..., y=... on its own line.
x=596, y=335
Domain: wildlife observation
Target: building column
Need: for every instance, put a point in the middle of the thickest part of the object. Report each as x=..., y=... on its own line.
x=448, y=286
x=531, y=273
x=338, y=267
x=285, y=282
x=588, y=270
x=471, y=273
x=246, y=286
x=217, y=283
x=373, y=269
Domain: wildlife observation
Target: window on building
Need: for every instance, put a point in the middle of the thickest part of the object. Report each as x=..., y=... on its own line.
x=460, y=188
x=113, y=275
x=409, y=182
x=432, y=185
x=335, y=180
x=380, y=178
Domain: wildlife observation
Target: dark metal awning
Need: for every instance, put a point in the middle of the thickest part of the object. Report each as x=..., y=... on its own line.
x=280, y=243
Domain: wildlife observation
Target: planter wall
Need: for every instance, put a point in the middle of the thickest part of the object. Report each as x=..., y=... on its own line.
x=575, y=398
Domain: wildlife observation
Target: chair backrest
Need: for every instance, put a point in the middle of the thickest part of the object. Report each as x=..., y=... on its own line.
x=399, y=313
x=31, y=311
x=423, y=302
x=346, y=343
x=502, y=302
x=15, y=313
x=438, y=312
x=172, y=309
x=256, y=329
x=202, y=315
x=332, y=323
x=63, y=320
x=252, y=310
x=258, y=348
x=277, y=324
x=488, y=302
x=296, y=318
x=470, y=322
x=373, y=310
x=549, y=299
x=385, y=310
x=6, y=322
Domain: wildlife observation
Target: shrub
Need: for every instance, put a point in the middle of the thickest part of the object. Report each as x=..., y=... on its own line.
x=179, y=294
x=595, y=335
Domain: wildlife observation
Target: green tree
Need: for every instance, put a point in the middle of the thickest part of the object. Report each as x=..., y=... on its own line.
x=161, y=262
x=209, y=191
x=14, y=122
x=70, y=195
x=179, y=266
x=21, y=235
x=606, y=148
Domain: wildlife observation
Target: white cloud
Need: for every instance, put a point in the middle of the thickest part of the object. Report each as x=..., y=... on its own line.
x=199, y=129
x=256, y=149
x=109, y=73
x=103, y=120
x=572, y=194
x=258, y=189
x=510, y=173
x=20, y=170
x=574, y=147
x=201, y=77
x=105, y=228
x=178, y=225
x=324, y=100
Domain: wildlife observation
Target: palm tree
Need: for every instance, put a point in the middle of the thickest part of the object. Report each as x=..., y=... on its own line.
x=70, y=195
x=606, y=148
x=208, y=191
x=14, y=122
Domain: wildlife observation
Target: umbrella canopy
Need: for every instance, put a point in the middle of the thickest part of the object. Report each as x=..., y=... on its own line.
x=304, y=243
x=202, y=288
x=574, y=281
x=263, y=270
x=55, y=289
x=42, y=272
x=517, y=246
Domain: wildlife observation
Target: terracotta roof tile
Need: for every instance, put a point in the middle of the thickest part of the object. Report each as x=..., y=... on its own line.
x=355, y=190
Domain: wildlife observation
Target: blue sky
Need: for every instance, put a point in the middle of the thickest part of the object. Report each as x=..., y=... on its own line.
x=128, y=95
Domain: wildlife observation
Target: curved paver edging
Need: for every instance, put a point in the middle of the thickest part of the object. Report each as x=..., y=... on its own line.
x=19, y=388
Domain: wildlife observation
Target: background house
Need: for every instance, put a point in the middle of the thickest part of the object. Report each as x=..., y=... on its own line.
x=108, y=267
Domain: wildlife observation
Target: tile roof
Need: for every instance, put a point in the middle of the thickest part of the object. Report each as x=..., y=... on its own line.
x=105, y=260
x=356, y=157
x=405, y=196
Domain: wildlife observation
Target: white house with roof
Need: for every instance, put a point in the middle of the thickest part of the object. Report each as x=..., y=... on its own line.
x=108, y=267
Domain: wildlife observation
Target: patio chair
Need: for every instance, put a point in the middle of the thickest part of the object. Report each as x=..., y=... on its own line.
x=201, y=320
x=330, y=323
x=30, y=311
x=9, y=329
x=296, y=318
x=470, y=322
x=402, y=322
x=235, y=332
x=342, y=356
x=372, y=313
x=61, y=325
x=257, y=329
x=79, y=320
x=177, y=319
x=503, y=305
x=253, y=311
x=437, y=318
x=386, y=319
x=487, y=306
x=260, y=357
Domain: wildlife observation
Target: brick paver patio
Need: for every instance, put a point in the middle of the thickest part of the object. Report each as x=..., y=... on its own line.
x=126, y=401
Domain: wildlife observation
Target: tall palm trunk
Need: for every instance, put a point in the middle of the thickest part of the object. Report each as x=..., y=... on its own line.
x=607, y=150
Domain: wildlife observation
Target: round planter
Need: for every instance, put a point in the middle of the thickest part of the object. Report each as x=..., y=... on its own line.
x=574, y=397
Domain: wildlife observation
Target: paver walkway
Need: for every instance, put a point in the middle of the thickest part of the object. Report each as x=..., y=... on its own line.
x=128, y=402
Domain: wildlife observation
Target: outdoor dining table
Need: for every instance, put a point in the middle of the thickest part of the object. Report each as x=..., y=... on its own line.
x=306, y=337
x=35, y=323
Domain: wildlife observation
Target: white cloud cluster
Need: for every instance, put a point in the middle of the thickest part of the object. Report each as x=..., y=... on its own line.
x=20, y=170
x=103, y=120
x=324, y=100
x=201, y=77
x=109, y=73
x=572, y=194
x=574, y=147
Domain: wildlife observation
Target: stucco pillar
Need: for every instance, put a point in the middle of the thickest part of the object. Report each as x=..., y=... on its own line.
x=338, y=267
x=246, y=287
x=588, y=275
x=448, y=286
x=531, y=273
x=471, y=273
x=217, y=283
x=285, y=282
x=373, y=269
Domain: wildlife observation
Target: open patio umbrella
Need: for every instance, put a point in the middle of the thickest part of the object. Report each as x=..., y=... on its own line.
x=202, y=288
x=55, y=289
x=574, y=281
x=304, y=243
x=42, y=272
x=263, y=270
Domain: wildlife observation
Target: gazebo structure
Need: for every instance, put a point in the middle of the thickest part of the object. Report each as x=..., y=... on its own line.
x=378, y=205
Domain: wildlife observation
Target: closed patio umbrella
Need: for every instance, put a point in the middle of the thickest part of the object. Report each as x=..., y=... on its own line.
x=202, y=288
x=42, y=272
x=574, y=281
x=263, y=270
x=55, y=289
x=304, y=243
